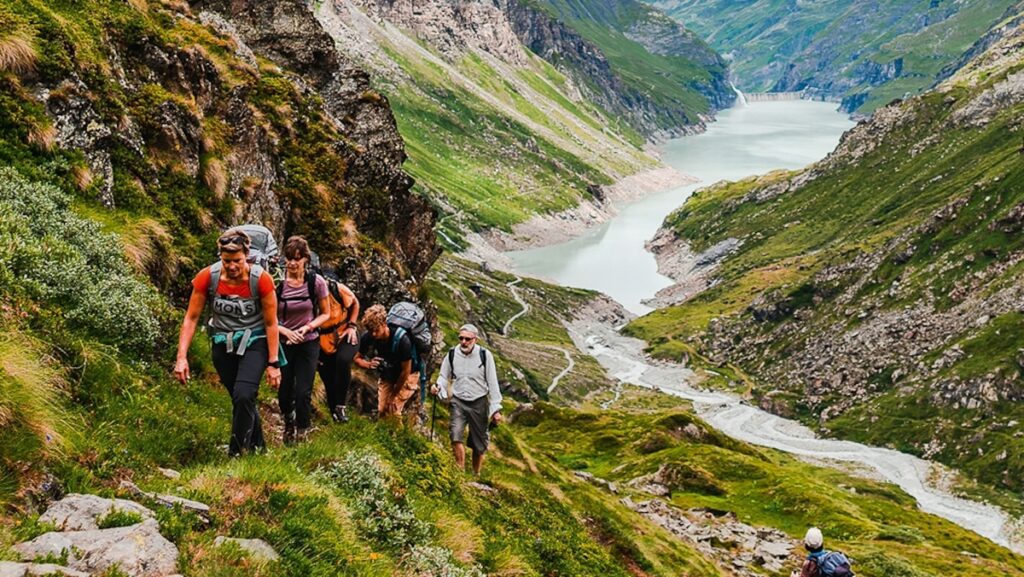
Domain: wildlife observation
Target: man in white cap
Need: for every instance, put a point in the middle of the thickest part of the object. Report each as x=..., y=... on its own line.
x=813, y=542
x=475, y=397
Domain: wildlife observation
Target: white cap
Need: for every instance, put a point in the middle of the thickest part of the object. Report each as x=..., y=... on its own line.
x=813, y=538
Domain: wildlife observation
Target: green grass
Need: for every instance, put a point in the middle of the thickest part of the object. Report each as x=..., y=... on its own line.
x=531, y=349
x=883, y=205
x=762, y=487
x=838, y=37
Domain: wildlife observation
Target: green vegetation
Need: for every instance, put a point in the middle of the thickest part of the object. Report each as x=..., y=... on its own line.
x=840, y=48
x=459, y=119
x=924, y=214
x=531, y=355
x=875, y=523
x=673, y=82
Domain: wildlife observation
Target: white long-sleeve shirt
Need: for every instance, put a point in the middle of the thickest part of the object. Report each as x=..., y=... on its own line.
x=472, y=381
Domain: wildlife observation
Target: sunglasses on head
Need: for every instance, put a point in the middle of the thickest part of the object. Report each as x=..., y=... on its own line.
x=233, y=240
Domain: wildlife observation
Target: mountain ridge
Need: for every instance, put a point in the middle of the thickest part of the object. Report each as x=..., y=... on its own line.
x=875, y=294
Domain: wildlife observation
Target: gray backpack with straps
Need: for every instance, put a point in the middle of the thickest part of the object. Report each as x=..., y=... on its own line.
x=263, y=248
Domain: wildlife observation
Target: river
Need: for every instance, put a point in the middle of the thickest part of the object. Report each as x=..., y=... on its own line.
x=749, y=140
x=746, y=140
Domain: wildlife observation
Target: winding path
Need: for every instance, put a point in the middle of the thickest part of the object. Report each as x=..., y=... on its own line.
x=526, y=308
x=624, y=359
x=519, y=299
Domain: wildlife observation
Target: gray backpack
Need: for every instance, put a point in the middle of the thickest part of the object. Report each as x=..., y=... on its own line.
x=262, y=248
x=411, y=317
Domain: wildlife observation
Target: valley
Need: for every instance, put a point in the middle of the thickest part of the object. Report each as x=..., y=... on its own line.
x=717, y=320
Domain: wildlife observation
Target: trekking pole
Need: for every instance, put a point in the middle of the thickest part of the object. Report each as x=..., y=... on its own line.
x=433, y=415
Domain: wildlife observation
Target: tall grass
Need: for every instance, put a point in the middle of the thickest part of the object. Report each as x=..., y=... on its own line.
x=17, y=54
x=34, y=425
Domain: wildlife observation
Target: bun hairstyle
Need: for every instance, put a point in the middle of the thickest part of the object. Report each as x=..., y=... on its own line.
x=234, y=240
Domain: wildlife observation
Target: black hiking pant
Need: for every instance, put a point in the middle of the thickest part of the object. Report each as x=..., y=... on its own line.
x=240, y=375
x=336, y=373
x=296, y=391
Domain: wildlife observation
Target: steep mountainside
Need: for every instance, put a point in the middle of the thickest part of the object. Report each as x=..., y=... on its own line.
x=509, y=113
x=879, y=292
x=864, y=53
x=131, y=135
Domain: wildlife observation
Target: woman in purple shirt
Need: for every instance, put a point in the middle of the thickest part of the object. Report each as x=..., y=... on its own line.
x=301, y=309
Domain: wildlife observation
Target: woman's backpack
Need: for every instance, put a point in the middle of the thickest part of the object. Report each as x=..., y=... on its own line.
x=833, y=564
x=340, y=300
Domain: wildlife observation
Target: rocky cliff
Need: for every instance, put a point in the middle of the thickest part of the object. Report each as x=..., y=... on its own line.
x=210, y=114
x=558, y=41
x=878, y=292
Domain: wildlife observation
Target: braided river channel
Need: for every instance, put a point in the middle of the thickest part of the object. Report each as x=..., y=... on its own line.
x=744, y=141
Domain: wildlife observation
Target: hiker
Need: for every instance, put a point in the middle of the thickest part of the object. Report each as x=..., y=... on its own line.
x=475, y=397
x=243, y=329
x=392, y=359
x=819, y=562
x=338, y=345
x=302, y=307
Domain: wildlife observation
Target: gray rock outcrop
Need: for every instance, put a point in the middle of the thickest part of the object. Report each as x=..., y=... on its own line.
x=12, y=569
x=77, y=512
x=138, y=550
x=740, y=546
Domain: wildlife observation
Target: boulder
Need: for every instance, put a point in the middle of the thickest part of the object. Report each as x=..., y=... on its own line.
x=77, y=512
x=138, y=550
x=258, y=549
x=11, y=569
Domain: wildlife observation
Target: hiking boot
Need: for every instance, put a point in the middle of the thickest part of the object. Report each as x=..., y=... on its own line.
x=288, y=438
x=340, y=414
x=302, y=435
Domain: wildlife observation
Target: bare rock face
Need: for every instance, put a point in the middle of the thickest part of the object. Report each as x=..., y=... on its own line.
x=454, y=28
x=138, y=550
x=289, y=34
x=77, y=512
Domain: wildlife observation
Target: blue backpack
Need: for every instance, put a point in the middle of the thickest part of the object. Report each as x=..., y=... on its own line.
x=832, y=564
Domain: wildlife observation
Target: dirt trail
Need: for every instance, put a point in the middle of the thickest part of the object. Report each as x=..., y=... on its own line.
x=526, y=308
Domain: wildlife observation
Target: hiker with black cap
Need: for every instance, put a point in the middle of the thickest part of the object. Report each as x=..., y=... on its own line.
x=475, y=397
x=243, y=330
x=819, y=562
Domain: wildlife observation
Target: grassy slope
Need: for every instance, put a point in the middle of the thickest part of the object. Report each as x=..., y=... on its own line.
x=496, y=144
x=854, y=210
x=531, y=348
x=668, y=80
x=761, y=32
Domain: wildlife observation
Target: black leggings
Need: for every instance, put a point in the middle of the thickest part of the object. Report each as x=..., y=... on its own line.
x=241, y=376
x=296, y=389
x=336, y=373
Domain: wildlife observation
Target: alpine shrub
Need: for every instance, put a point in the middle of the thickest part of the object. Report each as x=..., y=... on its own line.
x=50, y=254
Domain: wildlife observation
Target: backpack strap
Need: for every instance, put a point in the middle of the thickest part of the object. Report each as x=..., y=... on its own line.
x=255, y=271
x=451, y=361
x=311, y=291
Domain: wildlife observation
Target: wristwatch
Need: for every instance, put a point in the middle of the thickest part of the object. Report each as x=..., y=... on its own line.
x=276, y=364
